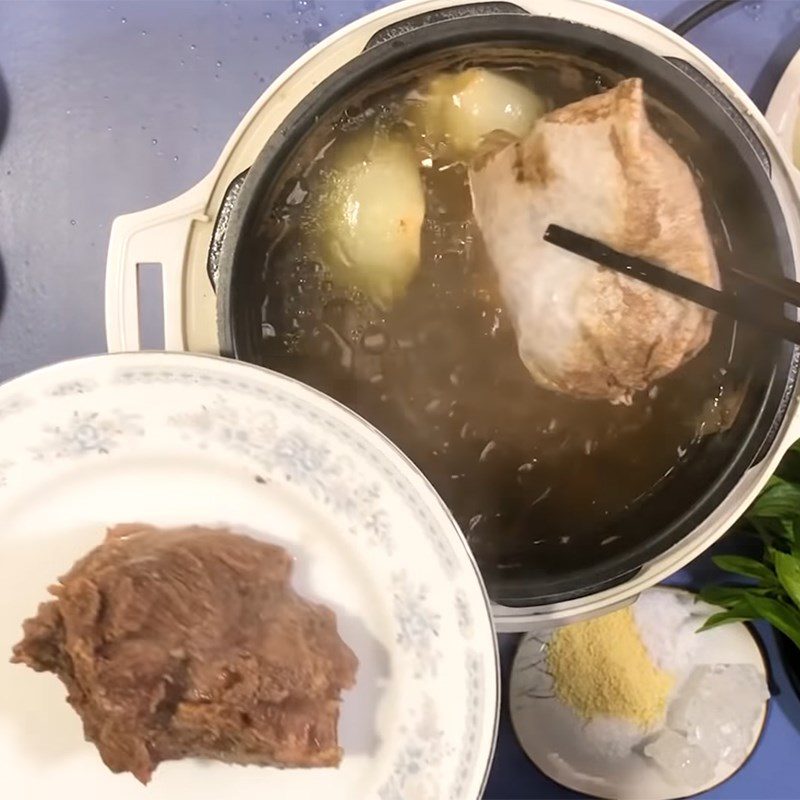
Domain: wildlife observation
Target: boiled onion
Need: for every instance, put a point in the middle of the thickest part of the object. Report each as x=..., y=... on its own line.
x=371, y=217
x=453, y=111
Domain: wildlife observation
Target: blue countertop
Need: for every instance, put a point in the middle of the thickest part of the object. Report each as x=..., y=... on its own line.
x=107, y=108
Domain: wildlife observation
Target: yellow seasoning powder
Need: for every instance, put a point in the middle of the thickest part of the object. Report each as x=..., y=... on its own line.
x=601, y=666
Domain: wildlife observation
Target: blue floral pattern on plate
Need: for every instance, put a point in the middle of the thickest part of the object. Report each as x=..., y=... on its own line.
x=89, y=432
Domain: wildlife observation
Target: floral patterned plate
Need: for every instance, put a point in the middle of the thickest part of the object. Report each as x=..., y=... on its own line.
x=174, y=439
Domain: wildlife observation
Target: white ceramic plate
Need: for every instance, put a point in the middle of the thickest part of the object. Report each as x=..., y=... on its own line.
x=784, y=108
x=550, y=732
x=172, y=439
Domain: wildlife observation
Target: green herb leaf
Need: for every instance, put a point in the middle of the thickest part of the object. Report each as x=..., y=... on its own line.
x=724, y=596
x=789, y=468
x=781, y=616
x=741, y=612
x=728, y=596
x=788, y=569
x=780, y=499
x=741, y=565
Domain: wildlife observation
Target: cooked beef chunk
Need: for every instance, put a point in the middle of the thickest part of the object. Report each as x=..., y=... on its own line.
x=192, y=643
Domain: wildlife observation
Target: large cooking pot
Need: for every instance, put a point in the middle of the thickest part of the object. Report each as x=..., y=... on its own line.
x=693, y=103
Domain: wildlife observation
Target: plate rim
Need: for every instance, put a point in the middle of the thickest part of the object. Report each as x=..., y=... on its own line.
x=392, y=450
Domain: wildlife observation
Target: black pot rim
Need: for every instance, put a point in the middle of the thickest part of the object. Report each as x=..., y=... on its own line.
x=511, y=29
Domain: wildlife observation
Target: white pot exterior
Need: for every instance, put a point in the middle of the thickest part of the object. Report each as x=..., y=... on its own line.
x=177, y=234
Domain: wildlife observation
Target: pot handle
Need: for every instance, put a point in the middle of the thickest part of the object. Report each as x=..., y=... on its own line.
x=157, y=235
x=441, y=15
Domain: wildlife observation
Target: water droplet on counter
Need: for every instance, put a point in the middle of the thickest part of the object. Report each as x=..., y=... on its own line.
x=73, y=222
x=123, y=20
x=68, y=111
x=219, y=63
x=154, y=141
x=144, y=33
x=310, y=37
x=754, y=9
x=193, y=47
x=174, y=158
x=267, y=15
x=108, y=128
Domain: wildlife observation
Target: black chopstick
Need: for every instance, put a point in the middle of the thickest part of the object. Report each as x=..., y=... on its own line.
x=722, y=302
x=777, y=286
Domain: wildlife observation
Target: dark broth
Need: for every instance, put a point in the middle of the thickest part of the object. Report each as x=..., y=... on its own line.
x=528, y=474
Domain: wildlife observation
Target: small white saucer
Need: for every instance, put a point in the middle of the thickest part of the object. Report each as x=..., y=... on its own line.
x=550, y=733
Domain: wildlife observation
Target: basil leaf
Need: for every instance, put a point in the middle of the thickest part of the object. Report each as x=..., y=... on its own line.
x=779, y=499
x=741, y=565
x=788, y=570
x=779, y=615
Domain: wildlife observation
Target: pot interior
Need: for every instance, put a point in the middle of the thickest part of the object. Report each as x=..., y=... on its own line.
x=557, y=496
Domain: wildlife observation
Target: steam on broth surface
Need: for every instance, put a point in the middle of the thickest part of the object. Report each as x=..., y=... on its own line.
x=529, y=474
